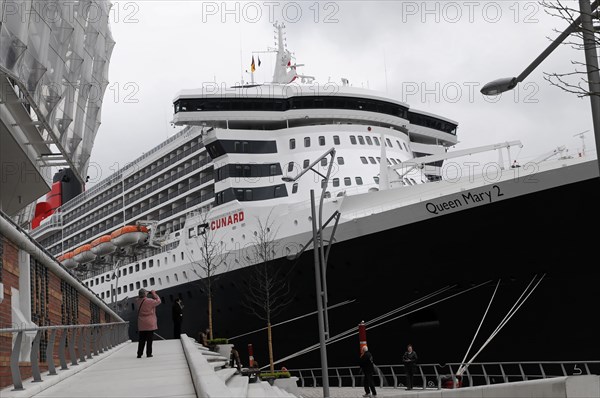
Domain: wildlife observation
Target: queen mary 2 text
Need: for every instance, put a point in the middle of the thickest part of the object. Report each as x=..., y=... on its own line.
x=227, y=220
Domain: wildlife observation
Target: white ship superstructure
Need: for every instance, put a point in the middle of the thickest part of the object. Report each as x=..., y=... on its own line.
x=237, y=145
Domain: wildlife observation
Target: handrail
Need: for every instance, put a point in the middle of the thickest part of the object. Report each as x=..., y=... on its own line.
x=93, y=339
x=478, y=373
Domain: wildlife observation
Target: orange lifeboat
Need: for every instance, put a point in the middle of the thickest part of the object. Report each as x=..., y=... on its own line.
x=67, y=260
x=103, y=246
x=129, y=235
x=83, y=254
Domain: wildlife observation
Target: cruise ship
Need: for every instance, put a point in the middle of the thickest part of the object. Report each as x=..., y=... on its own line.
x=417, y=256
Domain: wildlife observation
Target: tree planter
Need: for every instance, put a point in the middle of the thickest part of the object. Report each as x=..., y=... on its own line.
x=289, y=384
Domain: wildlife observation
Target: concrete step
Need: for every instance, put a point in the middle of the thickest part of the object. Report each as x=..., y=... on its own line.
x=217, y=364
x=259, y=390
x=212, y=354
x=238, y=385
x=226, y=373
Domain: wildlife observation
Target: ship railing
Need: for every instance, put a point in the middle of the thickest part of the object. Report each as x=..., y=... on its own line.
x=444, y=376
x=78, y=342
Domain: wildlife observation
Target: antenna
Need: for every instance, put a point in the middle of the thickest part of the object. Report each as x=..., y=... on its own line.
x=582, y=136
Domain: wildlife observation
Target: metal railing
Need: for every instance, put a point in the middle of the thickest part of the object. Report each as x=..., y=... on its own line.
x=91, y=340
x=439, y=376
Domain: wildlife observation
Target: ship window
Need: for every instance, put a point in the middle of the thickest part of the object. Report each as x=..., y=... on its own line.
x=137, y=285
x=166, y=260
x=102, y=295
x=306, y=142
x=407, y=150
x=247, y=171
x=125, y=289
x=144, y=265
x=388, y=142
x=323, y=183
x=191, y=233
x=336, y=182
x=292, y=143
x=347, y=181
x=372, y=159
x=278, y=191
x=376, y=180
x=290, y=167
x=322, y=140
x=306, y=163
x=340, y=160
x=152, y=282
x=174, y=258
x=168, y=280
x=369, y=141
x=137, y=267
x=131, y=287
x=102, y=279
x=295, y=188
x=245, y=147
x=376, y=141
x=92, y=282
x=398, y=142
x=353, y=140
x=176, y=277
x=158, y=262
x=378, y=159
x=145, y=283
x=150, y=263
x=413, y=180
x=124, y=271
x=239, y=194
x=393, y=160
x=184, y=275
x=324, y=162
x=236, y=147
x=273, y=170
x=359, y=181
x=248, y=195
x=361, y=140
x=159, y=281
x=363, y=159
x=182, y=256
x=336, y=140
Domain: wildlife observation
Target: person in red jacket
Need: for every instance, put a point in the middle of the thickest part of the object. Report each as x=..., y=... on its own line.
x=147, y=323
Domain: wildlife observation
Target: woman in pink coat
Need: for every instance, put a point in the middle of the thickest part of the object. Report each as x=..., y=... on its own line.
x=147, y=323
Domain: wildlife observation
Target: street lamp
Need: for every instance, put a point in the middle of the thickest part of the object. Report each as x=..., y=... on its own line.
x=319, y=261
x=585, y=20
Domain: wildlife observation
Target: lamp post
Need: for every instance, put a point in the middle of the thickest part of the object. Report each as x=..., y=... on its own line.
x=585, y=20
x=319, y=261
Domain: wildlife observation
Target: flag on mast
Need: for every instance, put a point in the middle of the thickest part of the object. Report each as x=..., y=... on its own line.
x=259, y=61
x=252, y=65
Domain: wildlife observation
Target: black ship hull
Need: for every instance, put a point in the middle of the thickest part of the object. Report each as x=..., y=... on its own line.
x=541, y=233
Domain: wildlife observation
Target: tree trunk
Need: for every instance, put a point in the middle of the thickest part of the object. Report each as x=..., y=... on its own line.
x=210, y=323
x=270, y=338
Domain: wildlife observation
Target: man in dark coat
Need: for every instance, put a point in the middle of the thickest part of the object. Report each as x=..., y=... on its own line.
x=410, y=361
x=177, y=314
x=234, y=359
x=367, y=367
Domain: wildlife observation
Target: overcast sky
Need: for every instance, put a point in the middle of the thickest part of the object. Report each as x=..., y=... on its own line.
x=436, y=55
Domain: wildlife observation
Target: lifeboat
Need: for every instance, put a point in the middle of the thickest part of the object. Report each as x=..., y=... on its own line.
x=103, y=246
x=83, y=254
x=129, y=235
x=67, y=260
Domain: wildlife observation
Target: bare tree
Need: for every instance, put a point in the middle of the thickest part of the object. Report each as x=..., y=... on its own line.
x=268, y=291
x=212, y=260
x=576, y=81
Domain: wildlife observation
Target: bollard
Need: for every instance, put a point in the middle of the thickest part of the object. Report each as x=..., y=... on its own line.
x=250, y=356
x=362, y=335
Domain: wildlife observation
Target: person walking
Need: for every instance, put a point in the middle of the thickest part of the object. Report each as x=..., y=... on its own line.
x=177, y=314
x=234, y=357
x=367, y=367
x=147, y=322
x=410, y=362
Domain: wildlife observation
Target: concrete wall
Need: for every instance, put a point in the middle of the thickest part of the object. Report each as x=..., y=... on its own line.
x=558, y=387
